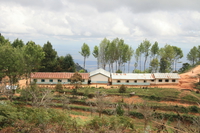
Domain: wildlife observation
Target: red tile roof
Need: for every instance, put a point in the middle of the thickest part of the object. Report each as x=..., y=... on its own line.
x=56, y=75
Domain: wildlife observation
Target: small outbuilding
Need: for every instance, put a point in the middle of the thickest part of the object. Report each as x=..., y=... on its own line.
x=56, y=77
x=100, y=76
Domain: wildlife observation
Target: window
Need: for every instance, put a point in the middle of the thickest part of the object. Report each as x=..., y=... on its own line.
x=127, y=81
x=118, y=81
x=83, y=80
x=42, y=80
x=35, y=80
x=69, y=80
x=135, y=81
x=145, y=81
x=152, y=80
x=160, y=80
x=59, y=80
x=50, y=80
x=173, y=80
x=166, y=80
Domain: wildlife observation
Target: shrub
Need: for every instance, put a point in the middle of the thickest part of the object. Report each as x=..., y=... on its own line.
x=194, y=109
x=90, y=95
x=119, y=109
x=122, y=89
x=59, y=87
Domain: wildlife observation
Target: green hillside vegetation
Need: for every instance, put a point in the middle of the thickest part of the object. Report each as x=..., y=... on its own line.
x=53, y=111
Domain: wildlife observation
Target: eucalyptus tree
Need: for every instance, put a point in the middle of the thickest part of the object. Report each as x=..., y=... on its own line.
x=130, y=53
x=178, y=54
x=192, y=55
x=112, y=51
x=103, y=53
x=154, y=50
x=85, y=52
x=49, y=61
x=146, y=51
x=154, y=64
x=140, y=51
x=33, y=55
x=136, y=56
x=96, y=54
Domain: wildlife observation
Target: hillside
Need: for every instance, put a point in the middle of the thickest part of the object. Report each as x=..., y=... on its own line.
x=189, y=78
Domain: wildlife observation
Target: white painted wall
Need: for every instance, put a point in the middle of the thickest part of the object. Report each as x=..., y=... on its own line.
x=99, y=77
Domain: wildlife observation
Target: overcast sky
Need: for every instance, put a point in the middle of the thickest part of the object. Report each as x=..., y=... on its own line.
x=67, y=24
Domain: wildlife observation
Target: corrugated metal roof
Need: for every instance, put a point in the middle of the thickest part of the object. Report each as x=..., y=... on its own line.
x=56, y=75
x=132, y=76
x=100, y=71
x=166, y=75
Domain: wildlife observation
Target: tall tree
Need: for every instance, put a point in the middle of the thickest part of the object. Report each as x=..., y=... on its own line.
x=192, y=55
x=178, y=54
x=85, y=52
x=154, y=65
x=68, y=64
x=103, y=48
x=18, y=43
x=96, y=54
x=140, y=51
x=154, y=50
x=136, y=55
x=146, y=51
x=167, y=56
x=130, y=53
x=48, y=63
x=198, y=53
x=33, y=55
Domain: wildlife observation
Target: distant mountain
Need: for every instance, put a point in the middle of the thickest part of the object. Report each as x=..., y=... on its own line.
x=78, y=67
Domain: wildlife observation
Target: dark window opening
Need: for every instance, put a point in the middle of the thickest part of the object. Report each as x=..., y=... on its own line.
x=69, y=80
x=173, y=80
x=35, y=80
x=50, y=80
x=166, y=80
x=83, y=80
x=160, y=80
x=59, y=80
x=118, y=81
x=145, y=81
x=152, y=80
x=135, y=81
x=127, y=81
x=42, y=80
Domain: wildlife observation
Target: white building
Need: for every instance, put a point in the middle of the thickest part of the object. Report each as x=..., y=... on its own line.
x=132, y=78
x=166, y=78
x=56, y=77
x=99, y=76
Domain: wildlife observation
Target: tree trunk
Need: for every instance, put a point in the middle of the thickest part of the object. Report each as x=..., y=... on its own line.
x=84, y=63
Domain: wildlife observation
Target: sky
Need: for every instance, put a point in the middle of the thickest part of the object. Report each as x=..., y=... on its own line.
x=67, y=24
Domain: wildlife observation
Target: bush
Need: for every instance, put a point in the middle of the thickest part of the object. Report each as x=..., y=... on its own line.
x=194, y=109
x=59, y=87
x=119, y=109
x=91, y=95
x=122, y=89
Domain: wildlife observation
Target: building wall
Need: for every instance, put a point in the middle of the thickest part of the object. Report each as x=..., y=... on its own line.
x=55, y=81
x=99, y=78
x=166, y=81
x=131, y=82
